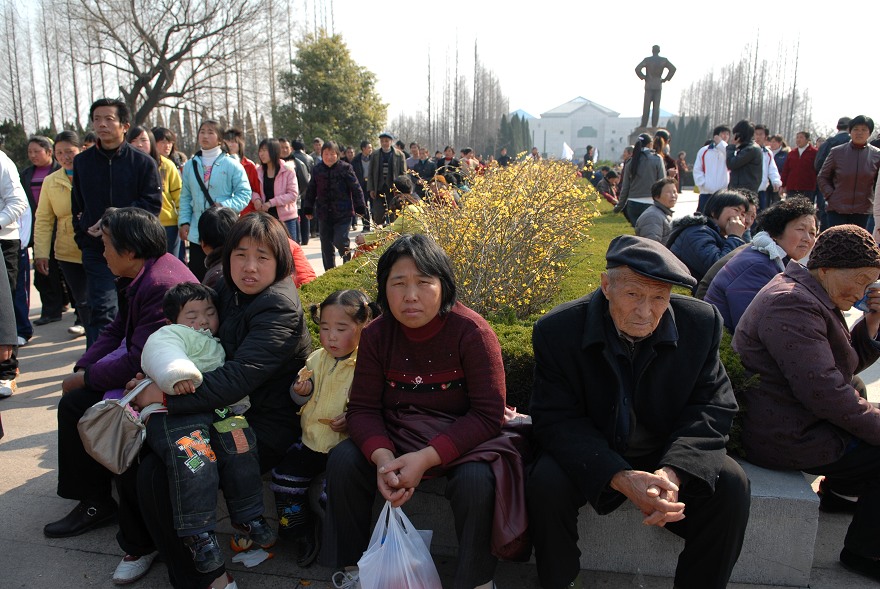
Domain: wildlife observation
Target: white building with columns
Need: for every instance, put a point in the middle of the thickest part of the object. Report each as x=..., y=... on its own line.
x=581, y=122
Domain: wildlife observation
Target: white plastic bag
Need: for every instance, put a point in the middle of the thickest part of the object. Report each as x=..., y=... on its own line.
x=397, y=556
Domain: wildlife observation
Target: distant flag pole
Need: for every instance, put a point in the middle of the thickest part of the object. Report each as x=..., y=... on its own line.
x=567, y=152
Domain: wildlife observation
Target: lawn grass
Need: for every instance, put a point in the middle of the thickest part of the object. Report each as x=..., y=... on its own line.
x=588, y=260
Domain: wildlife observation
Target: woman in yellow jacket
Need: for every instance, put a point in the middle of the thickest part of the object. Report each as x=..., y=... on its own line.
x=142, y=139
x=53, y=213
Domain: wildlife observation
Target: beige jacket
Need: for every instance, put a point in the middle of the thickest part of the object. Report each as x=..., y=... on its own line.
x=55, y=206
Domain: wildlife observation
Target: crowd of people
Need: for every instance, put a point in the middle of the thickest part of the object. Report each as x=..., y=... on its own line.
x=184, y=274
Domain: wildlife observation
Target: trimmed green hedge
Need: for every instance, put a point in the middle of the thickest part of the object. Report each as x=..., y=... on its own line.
x=515, y=337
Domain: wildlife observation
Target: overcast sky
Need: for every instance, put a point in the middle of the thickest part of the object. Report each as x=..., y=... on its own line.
x=546, y=53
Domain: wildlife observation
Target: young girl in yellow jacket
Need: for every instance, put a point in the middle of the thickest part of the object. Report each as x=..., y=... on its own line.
x=322, y=389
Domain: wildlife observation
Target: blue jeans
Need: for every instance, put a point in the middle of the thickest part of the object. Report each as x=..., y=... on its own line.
x=305, y=230
x=172, y=237
x=198, y=460
x=101, y=293
x=334, y=236
x=293, y=229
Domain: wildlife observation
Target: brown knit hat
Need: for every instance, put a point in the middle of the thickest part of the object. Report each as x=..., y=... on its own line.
x=845, y=246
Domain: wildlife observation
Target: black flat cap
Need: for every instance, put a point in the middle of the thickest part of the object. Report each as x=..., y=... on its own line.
x=649, y=258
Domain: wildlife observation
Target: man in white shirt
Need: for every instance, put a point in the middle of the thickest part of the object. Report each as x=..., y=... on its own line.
x=768, y=191
x=710, y=168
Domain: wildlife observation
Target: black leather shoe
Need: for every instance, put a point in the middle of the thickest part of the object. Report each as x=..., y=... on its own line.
x=83, y=518
x=46, y=320
x=860, y=564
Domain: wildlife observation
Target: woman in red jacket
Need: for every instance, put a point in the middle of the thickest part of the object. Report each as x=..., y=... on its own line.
x=428, y=400
x=233, y=140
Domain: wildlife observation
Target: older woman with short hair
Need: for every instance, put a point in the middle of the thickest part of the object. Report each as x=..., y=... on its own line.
x=135, y=248
x=427, y=400
x=803, y=411
x=788, y=232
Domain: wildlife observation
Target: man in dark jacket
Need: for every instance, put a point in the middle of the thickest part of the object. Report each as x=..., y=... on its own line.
x=839, y=139
x=504, y=159
x=361, y=165
x=386, y=165
x=113, y=174
x=307, y=229
x=744, y=158
x=631, y=401
x=426, y=168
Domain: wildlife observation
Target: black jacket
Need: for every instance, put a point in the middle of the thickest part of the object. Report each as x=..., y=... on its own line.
x=358, y=164
x=746, y=166
x=680, y=394
x=26, y=176
x=839, y=139
x=128, y=179
x=266, y=343
x=334, y=193
x=426, y=169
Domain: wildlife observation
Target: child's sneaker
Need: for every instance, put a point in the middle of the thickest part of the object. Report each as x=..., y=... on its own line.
x=205, y=551
x=259, y=531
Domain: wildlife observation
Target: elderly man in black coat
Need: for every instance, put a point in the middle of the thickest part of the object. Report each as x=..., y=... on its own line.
x=631, y=401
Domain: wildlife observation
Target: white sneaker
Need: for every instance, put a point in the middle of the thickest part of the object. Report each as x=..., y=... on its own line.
x=76, y=330
x=21, y=341
x=349, y=578
x=132, y=568
x=7, y=387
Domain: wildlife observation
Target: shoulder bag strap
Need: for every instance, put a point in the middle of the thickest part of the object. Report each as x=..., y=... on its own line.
x=202, y=182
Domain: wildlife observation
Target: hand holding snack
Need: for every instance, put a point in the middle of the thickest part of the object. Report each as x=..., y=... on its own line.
x=303, y=384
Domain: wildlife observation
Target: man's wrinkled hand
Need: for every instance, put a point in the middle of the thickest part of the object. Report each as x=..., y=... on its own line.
x=655, y=494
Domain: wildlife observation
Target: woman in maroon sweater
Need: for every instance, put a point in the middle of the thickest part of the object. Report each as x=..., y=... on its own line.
x=428, y=390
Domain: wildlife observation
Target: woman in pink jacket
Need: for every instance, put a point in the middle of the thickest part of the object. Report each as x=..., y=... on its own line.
x=278, y=193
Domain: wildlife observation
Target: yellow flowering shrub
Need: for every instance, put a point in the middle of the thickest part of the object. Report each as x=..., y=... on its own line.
x=511, y=235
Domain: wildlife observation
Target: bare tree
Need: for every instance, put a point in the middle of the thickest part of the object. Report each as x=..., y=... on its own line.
x=11, y=24
x=165, y=49
x=764, y=91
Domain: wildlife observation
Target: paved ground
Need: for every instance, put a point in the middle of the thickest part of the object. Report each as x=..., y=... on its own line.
x=28, y=455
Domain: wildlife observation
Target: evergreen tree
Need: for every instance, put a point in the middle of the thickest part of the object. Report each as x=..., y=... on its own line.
x=14, y=142
x=505, y=138
x=250, y=137
x=264, y=130
x=516, y=137
x=331, y=95
x=526, y=134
